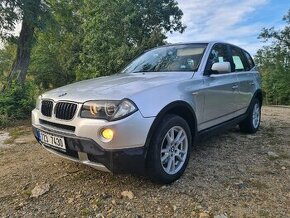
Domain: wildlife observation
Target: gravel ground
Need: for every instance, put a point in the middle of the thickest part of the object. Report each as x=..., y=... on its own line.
x=229, y=175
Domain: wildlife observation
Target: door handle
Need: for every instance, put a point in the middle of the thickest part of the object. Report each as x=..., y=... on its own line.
x=234, y=87
x=252, y=83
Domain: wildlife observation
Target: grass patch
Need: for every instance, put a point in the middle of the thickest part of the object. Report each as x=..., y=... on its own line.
x=270, y=131
x=280, y=156
x=258, y=184
x=284, y=155
x=26, y=193
x=264, y=213
x=80, y=176
x=15, y=133
x=85, y=212
x=98, y=202
x=272, y=158
x=9, y=141
x=5, y=121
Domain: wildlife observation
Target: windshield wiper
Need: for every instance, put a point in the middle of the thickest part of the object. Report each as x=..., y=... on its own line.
x=140, y=71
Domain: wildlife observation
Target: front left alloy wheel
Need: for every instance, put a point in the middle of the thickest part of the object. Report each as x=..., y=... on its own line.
x=169, y=150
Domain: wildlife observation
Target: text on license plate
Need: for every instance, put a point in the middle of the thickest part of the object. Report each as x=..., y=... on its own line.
x=52, y=140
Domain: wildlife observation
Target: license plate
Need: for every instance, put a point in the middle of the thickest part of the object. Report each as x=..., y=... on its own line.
x=52, y=140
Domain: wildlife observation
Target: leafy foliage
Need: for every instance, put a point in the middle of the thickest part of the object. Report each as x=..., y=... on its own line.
x=7, y=55
x=63, y=41
x=89, y=38
x=56, y=54
x=14, y=11
x=31, y=13
x=274, y=63
x=8, y=17
x=17, y=102
x=116, y=31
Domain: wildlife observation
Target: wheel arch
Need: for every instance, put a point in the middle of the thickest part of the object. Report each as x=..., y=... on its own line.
x=179, y=108
x=259, y=95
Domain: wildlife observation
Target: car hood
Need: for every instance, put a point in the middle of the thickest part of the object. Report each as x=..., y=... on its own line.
x=115, y=87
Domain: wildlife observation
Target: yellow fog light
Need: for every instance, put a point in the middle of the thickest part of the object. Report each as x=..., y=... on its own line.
x=107, y=134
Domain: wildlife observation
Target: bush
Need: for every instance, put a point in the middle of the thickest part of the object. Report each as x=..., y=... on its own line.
x=4, y=120
x=17, y=102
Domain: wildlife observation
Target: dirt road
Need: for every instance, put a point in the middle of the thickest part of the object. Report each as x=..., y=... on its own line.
x=229, y=175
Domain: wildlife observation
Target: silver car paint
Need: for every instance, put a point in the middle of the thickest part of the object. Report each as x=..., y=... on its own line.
x=129, y=132
x=214, y=98
x=115, y=87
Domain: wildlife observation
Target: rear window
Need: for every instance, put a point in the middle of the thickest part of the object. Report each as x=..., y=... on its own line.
x=238, y=63
x=249, y=60
x=239, y=60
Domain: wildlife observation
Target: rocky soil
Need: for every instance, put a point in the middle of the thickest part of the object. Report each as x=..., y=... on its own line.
x=229, y=175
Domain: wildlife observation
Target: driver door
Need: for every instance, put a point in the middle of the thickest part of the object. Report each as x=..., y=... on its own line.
x=221, y=90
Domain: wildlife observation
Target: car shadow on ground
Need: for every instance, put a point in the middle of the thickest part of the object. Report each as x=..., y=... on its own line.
x=199, y=154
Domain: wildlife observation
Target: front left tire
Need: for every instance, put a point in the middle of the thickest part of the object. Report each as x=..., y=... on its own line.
x=169, y=150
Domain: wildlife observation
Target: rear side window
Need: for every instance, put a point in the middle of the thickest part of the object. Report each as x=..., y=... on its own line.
x=239, y=60
x=249, y=60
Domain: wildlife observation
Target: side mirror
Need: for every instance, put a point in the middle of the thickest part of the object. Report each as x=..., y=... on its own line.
x=221, y=67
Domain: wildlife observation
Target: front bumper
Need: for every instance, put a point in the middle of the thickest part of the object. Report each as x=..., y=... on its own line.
x=125, y=153
x=88, y=152
x=129, y=132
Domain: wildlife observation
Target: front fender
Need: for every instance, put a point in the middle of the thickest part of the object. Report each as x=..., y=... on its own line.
x=152, y=101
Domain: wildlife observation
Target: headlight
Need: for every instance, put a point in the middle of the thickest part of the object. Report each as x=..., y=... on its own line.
x=38, y=103
x=108, y=110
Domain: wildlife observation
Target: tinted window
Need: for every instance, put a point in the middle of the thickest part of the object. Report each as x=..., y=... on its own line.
x=249, y=60
x=239, y=60
x=168, y=58
x=219, y=53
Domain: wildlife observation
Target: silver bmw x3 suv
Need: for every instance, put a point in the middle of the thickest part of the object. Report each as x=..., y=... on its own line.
x=145, y=119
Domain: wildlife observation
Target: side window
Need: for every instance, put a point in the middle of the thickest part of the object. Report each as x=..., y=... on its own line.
x=250, y=60
x=219, y=53
x=240, y=64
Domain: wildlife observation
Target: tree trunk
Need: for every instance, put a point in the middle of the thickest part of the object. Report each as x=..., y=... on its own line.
x=25, y=42
x=21, y=63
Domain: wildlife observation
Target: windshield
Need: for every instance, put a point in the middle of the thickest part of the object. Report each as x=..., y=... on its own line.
x=168, y=58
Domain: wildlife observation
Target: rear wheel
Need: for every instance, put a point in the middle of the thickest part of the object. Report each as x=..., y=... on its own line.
x=252, y=122
x=169, y=150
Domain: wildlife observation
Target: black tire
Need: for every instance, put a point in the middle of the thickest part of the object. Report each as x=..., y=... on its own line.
x=155, y=168
x=247, y=125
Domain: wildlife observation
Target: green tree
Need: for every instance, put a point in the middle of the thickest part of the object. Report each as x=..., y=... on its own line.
x=29, y=13
x=56, y=54
x=7, y=55
x=274, y=63
x=116, y=31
